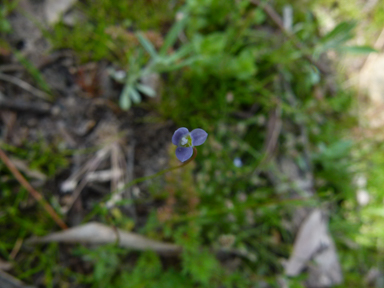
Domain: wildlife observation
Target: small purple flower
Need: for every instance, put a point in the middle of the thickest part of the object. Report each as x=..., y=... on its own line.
x=185, y=140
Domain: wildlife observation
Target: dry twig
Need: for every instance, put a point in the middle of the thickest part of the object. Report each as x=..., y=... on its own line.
x=73, y=184
x=21, y=106
x=97, y=233
x=16, y=248
x=24, y=85
x=273, y=132
x=20, y=178
x=8, y=281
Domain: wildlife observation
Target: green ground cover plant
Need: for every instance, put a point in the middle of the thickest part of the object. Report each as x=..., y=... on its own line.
x=226, y=68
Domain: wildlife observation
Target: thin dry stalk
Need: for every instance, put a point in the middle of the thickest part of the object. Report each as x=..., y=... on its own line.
x=71, y=183
x=16, y=248
x=118, y=180
x=24, y=85
x=89, y=167
x=115, y=166
x=280, y=23
x=39, y=198
x=273, y=132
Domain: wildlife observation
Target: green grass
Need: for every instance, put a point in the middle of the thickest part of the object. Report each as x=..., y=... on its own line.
x=102, y=30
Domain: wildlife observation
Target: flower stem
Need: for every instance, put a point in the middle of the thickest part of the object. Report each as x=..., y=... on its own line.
x=145, y=178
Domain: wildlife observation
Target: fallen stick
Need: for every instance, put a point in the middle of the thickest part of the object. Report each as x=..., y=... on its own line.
x=31, y=190
x=97, y=233
x=24, y=85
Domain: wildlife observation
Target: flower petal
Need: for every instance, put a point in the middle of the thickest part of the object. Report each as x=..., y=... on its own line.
x=184, y=153
x=179, y=133
x=198, y=136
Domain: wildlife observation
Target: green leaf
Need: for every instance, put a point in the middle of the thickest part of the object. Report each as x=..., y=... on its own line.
x=341, y=33
x=336, y=38
x=125, y=100
x=181, y=64
x=147, y=45
x=180, y=53
x=5, y=26
x=259, y=16
x=134, y=95
x=201, y=266
x=212, y=44
x=358, y=49
x=146, y=90
x=243, y=66
x=172, y=35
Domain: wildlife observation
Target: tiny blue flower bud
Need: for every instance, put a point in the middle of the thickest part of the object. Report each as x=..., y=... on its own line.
x=237, y=162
